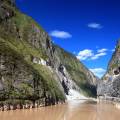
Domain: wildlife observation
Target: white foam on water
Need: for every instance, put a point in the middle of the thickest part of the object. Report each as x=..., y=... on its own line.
x=75, y=95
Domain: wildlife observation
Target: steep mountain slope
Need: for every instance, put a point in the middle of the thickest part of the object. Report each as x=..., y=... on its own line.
x=32, y=68
x=78, y=72
x=110, y=83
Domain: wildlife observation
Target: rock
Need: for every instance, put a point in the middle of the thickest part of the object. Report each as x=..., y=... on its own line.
x=110, y=83
x=11, y=107
x=32, y=67
x=6, y=107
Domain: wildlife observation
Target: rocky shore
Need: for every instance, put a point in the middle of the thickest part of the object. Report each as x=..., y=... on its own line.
x=108, y=98
x=115, y=101
x=5, y=106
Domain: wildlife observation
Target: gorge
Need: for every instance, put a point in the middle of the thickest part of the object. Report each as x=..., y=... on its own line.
x=35, y=72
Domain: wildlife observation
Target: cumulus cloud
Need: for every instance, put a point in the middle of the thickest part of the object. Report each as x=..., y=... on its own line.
x=88, y=54
x=95, y=25
x=85, y=54
x=60, y=34
x=96, y=56
x=98, y=71
x=102, y=50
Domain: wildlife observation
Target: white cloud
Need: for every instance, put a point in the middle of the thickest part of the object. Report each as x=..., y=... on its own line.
x=95, y=25
x=98, y=71
x=60, y=34
x=96, y=56
x=88, y=54
x=102, y=50
x=85, y=54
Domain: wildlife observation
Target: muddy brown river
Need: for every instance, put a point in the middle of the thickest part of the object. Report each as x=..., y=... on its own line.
x=75, y=110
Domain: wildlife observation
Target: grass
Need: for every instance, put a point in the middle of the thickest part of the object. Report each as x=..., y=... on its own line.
x=77, y=71
x=43, y=76
x=21, y=50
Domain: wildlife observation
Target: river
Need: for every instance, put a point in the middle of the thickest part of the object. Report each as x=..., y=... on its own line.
x=74, y=110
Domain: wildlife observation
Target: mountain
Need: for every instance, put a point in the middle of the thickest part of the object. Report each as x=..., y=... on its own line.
x=110, y=83
x=32, y=68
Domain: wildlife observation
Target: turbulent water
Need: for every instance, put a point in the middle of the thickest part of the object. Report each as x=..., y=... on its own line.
x=75, y=110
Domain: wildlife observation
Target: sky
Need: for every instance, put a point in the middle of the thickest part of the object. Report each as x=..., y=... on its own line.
x=87, y=28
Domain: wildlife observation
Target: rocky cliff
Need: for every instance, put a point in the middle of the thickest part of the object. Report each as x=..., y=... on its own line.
x=34, y=69
x=110, y=83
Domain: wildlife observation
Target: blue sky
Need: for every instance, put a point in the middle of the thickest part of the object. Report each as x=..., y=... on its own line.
x=87, y=28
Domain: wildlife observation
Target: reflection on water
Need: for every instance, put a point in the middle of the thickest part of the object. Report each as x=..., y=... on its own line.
x=75, y=110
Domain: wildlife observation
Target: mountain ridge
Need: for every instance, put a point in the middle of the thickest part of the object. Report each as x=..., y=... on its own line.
x=109, y=85
x=32, y=68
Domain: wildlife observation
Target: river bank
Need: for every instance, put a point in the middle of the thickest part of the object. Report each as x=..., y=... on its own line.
x=30, y=105
x=6, y=106
x=75, y=110
x=107, y=99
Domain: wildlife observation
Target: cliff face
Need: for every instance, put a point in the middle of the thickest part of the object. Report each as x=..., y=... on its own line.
x=110, y=83
x=32, y=67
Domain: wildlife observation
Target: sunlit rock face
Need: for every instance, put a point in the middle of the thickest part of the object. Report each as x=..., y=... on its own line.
x=32, y=68
x=110, y=88
x=109, y=85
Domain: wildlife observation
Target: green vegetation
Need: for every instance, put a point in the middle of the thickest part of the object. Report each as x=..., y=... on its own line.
x=77, y=71
x=22, y=39
x=22, y=50
x=42, y=75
